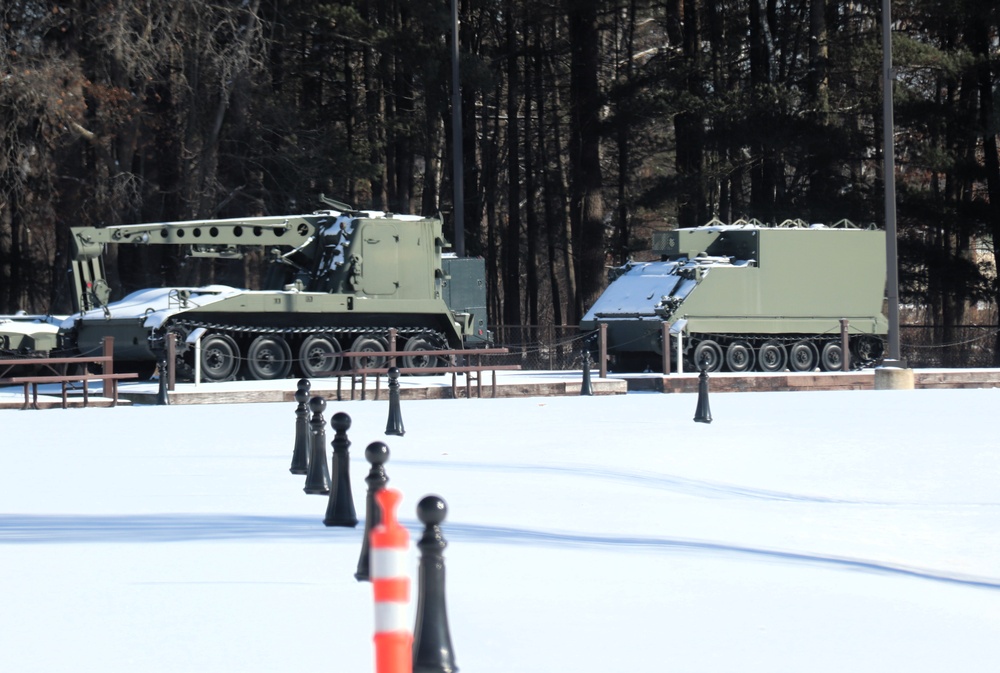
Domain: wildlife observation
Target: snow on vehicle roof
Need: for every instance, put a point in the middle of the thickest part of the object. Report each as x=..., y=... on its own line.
x=155, y=305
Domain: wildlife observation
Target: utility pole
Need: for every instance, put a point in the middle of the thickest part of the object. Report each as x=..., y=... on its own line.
x=458, y=178
x=889, y=179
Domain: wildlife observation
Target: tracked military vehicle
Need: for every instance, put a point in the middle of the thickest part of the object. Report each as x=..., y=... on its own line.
x=746, y=297
x=24, y=334
x=338, y=280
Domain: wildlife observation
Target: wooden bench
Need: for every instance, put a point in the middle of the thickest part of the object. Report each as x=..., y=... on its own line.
x=31, y=384
x=57, y=366
x=473, y=371
x=58, y=372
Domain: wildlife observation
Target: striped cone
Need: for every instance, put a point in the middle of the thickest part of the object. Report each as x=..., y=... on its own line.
x=391, y=584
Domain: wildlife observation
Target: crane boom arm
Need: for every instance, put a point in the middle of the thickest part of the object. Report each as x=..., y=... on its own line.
x=207, y=238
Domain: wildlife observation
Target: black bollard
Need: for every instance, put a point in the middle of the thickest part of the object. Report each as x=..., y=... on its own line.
x=158, y=344
x=394, y=426
x=703, y=414
x=377, y=454
x=300, y=454
x=318, y=477
x=432, y=651
x=587, y=388
x=340, y=508
x=162, y=397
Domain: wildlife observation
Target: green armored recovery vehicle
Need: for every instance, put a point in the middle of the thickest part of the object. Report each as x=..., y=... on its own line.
x=337, y=280
x=746, y=297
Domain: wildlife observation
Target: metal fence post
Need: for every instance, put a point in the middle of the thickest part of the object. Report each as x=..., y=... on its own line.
x=171, y=359
x=680, y=352
x=604, y=350
x=665, y=335
x=392, y=346
x=845, y=358
x=109, y=367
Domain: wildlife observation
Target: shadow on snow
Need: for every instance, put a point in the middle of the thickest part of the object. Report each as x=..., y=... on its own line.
x=153, y=528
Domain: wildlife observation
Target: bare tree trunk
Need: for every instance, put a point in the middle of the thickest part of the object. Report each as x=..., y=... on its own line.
x=587, y=204
x=689, y=128
x=403, y=109
x=556, y=187
x=766, y=175
x=490, y=188
x=374, y=118
x=555, y=211
x=350, y=120
x=512, y=234
x=472, y=192
x=821, y=200
x=13, y=290
x=991, y=154
x=429, y=203
x=624, y=137
x=531, y=75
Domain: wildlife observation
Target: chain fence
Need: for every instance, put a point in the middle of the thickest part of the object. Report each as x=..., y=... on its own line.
x=552, y=347
x=559, y=347
x=927, y=346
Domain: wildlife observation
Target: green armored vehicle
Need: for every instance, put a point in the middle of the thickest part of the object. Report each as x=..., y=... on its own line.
x=23, y=334
x=749, y=297
x=337, y=280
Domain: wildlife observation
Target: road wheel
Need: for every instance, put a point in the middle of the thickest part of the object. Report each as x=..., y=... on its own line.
x=739, y=356
x=319, y=355
x=419, y=353
x=268, y=358
x=831, y=359
x=803, y=356
x=771, y=356
x=708, y=356
x=369, y=344
x=220, y=358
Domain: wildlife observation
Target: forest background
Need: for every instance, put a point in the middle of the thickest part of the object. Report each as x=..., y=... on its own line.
x=587, y=124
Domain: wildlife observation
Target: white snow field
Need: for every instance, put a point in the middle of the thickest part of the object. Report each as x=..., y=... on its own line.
x=802, y=532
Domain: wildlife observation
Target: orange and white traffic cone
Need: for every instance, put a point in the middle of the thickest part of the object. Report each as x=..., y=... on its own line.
x=389, y=553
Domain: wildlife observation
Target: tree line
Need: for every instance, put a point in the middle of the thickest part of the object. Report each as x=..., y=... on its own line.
x=586, y=125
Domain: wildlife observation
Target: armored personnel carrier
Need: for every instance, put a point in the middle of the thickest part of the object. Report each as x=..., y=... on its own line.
x=746, y=297
x=338, y=280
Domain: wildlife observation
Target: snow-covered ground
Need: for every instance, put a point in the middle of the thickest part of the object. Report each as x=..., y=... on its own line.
x=798, y=532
